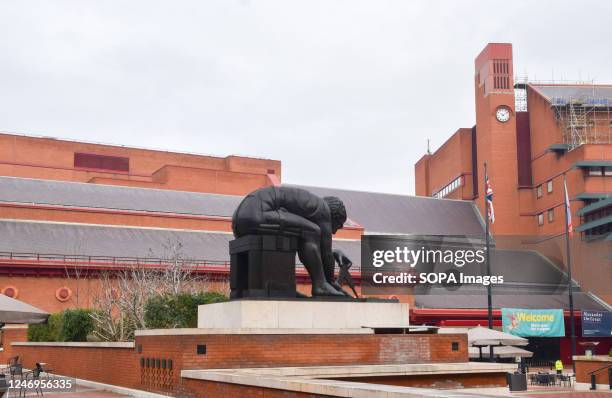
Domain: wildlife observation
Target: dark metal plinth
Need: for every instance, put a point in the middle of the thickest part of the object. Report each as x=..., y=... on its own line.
x=263, y=266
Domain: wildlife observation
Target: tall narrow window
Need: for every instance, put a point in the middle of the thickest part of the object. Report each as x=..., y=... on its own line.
x=541, y=219
x=539, y=191
x=551, y=215
x=549, y=186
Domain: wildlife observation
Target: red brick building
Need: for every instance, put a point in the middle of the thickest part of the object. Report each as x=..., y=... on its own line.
x=531, y=135
x=70, y=210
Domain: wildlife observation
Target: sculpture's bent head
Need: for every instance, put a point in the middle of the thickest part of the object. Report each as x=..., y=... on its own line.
x=338, y=212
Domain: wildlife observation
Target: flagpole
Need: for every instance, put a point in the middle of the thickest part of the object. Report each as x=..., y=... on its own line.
x=488, y=258
x=569, y=271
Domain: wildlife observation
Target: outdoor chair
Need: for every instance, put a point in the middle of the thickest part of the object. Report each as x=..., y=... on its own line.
x=3, y=385
x=42, y=367
x=16, y=375
x=12, y=361
x=545, y=379
x=566, y=380
x=532, y=379
x=34, y=375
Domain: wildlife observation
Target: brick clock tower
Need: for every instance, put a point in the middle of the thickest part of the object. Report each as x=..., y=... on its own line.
x=496, y=134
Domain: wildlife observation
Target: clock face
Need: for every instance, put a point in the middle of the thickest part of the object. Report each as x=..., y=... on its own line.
x=502, y=114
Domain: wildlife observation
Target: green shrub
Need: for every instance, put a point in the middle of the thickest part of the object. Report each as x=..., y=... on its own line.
x=68, y=325
x=76, y=326
x=178, y=311
x=49, y=331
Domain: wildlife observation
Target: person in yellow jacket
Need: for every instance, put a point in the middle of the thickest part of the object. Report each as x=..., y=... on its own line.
x=559, y=366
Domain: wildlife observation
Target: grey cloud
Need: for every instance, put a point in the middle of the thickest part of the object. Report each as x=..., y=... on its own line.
x=345, y=93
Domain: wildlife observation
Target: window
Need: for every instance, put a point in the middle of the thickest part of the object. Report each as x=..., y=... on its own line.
x=102, y=162
x=541, y=219
x=608, y=171
x=551, y=215
x=539, y=191
x=595, y=171
x=549, y=186
x=450, y=187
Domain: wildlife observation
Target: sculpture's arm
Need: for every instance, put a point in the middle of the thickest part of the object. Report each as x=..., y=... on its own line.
x=342, y=260
x=327, y=256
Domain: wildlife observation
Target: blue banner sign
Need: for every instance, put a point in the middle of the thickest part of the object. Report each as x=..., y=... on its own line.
x=596, y=324
x=533, y=323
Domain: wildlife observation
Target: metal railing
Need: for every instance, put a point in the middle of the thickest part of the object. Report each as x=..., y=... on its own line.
x=73, y=260
x=105, y=260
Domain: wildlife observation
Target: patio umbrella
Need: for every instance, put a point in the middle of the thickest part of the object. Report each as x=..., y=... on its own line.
x=15, y=311
x=480, y=336
x=503, y=351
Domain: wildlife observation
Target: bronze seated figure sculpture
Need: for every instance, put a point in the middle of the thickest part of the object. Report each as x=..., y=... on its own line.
x=274, y=223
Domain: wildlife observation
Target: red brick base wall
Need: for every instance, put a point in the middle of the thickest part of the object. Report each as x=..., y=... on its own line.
x=584, y=367
x=252, y=351
x=208, y=389
x=155, y=363
x=257, y=351
x=118, y=366
x=460, y=380
x=9, y=335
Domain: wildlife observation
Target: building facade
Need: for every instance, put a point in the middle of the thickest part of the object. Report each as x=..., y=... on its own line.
x=72, y=211
x=532, y=136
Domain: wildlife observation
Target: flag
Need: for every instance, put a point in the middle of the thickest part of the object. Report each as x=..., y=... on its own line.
x=568, y=211
x=489, y=199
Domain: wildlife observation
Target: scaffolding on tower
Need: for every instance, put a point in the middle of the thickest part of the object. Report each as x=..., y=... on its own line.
x=585, y=114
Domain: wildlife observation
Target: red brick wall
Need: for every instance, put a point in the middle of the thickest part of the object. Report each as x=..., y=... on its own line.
x=9, y=335
x=462, y=380
x=40, y=290
x=117, y=366
x=242, y=351
x=122, y=366
x=45, y=158
x=584, y=367
x=496, y=141
x=208, y=389
x=451, y=160
x=421, y=176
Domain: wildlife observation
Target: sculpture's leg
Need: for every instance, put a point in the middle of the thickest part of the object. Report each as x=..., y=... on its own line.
x=309, y=249
x=310, y=255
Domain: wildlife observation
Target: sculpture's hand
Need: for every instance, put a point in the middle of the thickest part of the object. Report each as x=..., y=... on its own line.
x=342, y=260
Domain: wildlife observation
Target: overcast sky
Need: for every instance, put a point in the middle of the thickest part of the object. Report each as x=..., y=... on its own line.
x=344, y=93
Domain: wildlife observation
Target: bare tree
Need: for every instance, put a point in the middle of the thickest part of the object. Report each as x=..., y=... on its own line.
x=108, y=318
x=124, y=292
x=74, y=255
x=178, y=274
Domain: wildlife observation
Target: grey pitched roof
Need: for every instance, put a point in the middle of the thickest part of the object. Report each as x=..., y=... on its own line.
x=122, y=242
x=402, y=214
x=531, y=281
x=64, y=193
x=376, y=212
x=525, y=267
x=588, y=94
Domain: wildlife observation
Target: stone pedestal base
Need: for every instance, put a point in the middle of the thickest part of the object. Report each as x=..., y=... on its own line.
x=296, y=314
x=263, y=266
